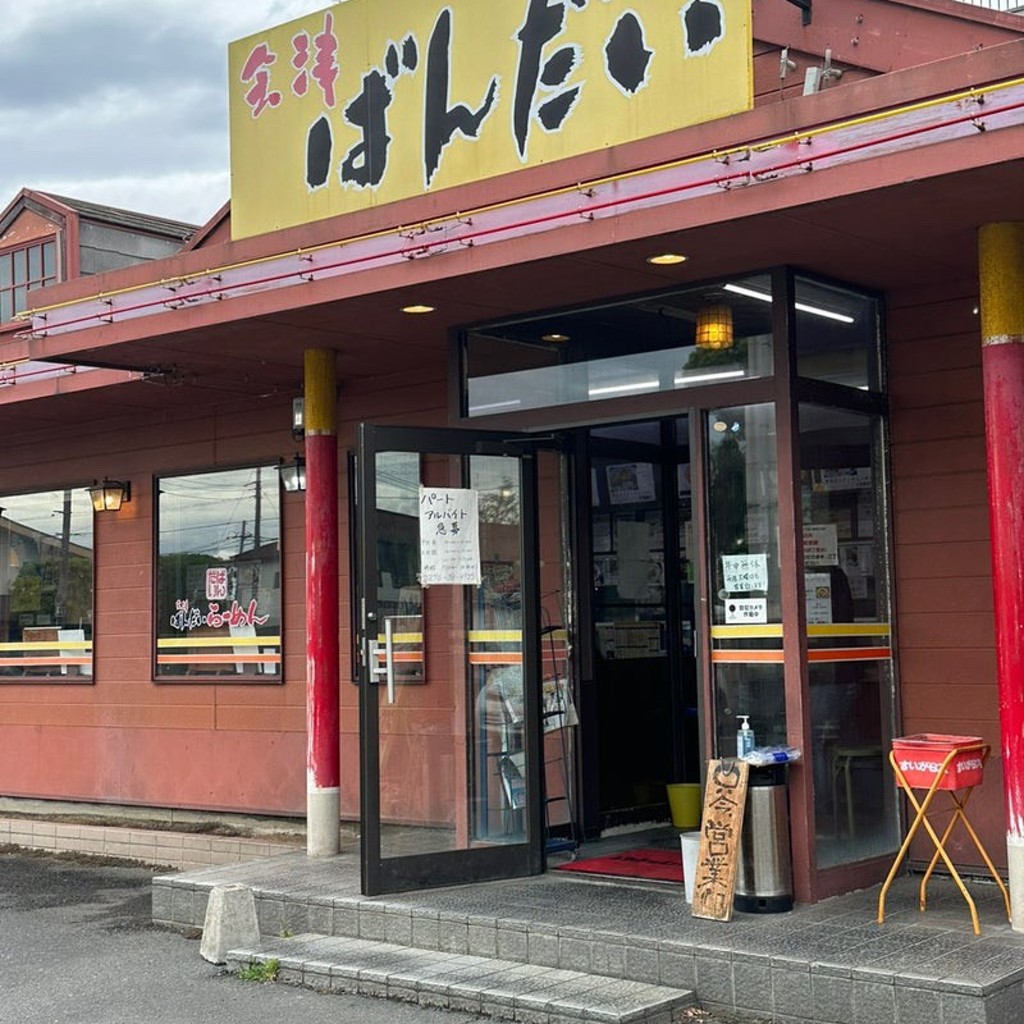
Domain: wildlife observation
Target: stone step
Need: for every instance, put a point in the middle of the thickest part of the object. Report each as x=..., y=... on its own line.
x=500, y=989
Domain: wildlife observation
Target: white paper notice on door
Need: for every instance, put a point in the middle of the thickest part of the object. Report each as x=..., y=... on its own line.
x=743, y=573
x=818, y=595
x=449, y=536
x=821, y=544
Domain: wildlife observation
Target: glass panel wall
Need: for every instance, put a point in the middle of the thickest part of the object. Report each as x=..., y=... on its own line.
x=218, y=576
x=663, y=342
x=837, y=333
x=744, y=570
x=399, y=595
x=420, y=747
x=498, y=748
x=46, y=587
x=850, y=669
x=452, y=753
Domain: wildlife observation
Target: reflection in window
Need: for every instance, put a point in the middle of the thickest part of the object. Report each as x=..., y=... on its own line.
x=744, y=567
x=837, y=335
x=399, y=594
x=218, y=577
x=46, y=586
x=496, y=623
x=846, y=586
x=703, y=335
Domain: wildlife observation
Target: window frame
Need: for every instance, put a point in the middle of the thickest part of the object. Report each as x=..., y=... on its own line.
x=62, y=678
x=275, y=640
x=10, y=256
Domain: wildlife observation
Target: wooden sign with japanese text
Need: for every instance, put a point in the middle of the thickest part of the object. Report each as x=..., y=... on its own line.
x=725, y=798
x=367, y=102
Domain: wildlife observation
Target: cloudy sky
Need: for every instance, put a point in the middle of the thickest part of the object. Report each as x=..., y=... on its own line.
x=123, y=102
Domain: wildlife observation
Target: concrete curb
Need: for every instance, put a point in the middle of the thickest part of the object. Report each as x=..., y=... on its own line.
x=181, y=850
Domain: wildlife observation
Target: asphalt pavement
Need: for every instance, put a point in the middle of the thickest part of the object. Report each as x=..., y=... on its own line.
x=77, y=946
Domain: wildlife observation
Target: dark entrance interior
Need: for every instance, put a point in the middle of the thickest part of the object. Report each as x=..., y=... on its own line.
x=639, y=684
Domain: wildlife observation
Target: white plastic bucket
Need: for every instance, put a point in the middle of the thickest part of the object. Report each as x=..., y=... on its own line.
x=690, y=845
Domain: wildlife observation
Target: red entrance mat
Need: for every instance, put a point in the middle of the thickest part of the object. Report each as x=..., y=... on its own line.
x=659, y=865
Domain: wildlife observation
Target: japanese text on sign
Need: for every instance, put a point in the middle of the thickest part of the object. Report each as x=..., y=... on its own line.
x=371, y=102
x=818, y=597
x=188, y=616
x=721, y=828
x=821, y=544
x=449, y=536
x=217, y=583
x=743, y=573
x=746, y=610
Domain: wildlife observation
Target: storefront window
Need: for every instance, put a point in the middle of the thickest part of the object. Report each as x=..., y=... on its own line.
x=745, y=580
x=666, y=342
x=218, y=576
x=46, y=587
x=837, y=333
x=849, y=636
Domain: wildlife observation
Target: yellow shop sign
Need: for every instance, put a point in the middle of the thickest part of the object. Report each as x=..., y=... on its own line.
x=367, y=101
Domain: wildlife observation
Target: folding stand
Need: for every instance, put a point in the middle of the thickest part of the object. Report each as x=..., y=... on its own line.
x=960, y=770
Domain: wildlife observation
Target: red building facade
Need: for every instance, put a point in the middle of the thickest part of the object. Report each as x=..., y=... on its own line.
x=660, y=527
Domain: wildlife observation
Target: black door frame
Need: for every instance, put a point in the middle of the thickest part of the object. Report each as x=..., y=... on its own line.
x=397, y=874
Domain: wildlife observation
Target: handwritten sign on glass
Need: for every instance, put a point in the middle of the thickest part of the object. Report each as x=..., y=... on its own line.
x=449, y=536
x=743, y=573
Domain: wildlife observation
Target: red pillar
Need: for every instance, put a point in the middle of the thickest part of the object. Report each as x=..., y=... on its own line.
x=1001, y=266
x=323, y=764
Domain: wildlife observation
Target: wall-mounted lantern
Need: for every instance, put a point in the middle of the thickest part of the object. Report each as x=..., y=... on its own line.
x=293, y=474
x=110, y=495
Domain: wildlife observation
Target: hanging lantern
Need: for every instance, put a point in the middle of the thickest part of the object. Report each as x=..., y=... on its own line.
x=714, y=327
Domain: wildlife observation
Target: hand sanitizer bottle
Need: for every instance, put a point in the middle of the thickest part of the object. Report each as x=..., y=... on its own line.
x=744, y=737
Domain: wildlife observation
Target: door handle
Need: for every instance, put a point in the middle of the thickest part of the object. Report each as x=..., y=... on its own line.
x=389, y=659
x=385, y=668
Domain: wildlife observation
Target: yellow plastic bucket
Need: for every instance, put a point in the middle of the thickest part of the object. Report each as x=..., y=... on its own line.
x=684, y=804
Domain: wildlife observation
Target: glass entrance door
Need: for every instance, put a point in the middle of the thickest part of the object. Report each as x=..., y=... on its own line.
x=642, y=607
x=451, y=658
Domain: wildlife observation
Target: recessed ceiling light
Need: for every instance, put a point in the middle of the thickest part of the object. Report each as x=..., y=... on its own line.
x=667, y=259
x=554, y=336
x=418, y=308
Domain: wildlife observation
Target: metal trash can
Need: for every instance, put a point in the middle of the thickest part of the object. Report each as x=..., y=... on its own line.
x=764, y=872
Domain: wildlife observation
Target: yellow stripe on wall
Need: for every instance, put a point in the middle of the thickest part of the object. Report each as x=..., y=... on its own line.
x=207, y=658
x=218, y=641
x=47, y=645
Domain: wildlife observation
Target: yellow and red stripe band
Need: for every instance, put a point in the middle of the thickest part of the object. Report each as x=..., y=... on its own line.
x=206, y=658
x=42, y=662
x=821, y=654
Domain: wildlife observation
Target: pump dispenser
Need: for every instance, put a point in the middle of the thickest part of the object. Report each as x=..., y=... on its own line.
x=744, y=737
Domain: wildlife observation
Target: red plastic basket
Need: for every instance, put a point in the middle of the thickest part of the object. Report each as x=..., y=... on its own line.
x=920, y=757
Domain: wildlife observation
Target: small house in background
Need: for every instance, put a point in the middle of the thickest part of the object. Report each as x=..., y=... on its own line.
x=45, y=239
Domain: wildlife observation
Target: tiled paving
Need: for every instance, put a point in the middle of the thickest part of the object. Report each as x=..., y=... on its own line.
x=491, y=987
x=150, y=845
x=828, y=964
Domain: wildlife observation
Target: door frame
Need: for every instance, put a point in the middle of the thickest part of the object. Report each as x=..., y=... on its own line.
x=587, y=448
x=397, y=874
